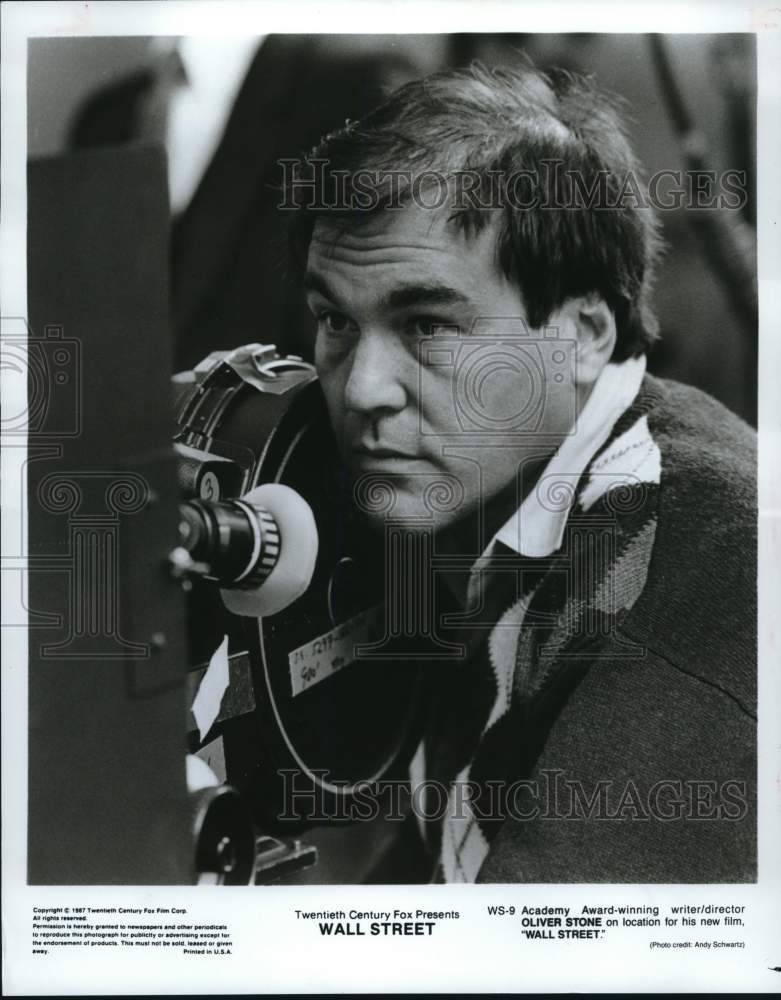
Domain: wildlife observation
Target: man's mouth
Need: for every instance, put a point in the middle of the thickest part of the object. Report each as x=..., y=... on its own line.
x=370, y=456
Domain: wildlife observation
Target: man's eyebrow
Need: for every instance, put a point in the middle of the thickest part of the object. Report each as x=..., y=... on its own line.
x=314, y=283
x=423, y=294
x=402, y=297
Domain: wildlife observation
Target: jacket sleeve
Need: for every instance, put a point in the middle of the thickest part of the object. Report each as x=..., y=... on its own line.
x=648, y=775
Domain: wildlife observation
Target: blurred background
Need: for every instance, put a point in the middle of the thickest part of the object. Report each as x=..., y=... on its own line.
x=229, y=109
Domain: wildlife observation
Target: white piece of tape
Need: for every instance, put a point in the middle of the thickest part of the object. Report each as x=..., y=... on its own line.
x=214, y=684
x=324, y=656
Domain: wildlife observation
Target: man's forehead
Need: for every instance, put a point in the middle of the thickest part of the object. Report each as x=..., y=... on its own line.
x=410, y=228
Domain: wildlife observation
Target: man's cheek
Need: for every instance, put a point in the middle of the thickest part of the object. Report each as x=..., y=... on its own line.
x=334, y=397
x=328, y=357
x=435, y=403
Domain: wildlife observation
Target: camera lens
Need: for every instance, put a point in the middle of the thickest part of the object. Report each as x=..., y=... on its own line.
x=238, y=543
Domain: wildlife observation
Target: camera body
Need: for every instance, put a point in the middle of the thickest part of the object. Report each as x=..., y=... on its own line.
x=305, y=720
x=504, y=377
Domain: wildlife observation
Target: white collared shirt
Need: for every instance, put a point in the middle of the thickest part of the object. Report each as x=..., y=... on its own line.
x=536, y=529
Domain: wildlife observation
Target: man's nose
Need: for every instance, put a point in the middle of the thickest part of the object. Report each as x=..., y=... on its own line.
x=375, y=380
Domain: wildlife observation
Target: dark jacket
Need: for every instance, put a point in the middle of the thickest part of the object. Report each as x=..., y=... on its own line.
x=631, y=724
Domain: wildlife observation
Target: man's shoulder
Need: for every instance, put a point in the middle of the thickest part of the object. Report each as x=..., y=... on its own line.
x=695, y=432
x=698, y=607
x=707, y=499
x=638, y=757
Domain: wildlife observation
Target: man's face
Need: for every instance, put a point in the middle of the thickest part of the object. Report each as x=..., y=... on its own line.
x=413, y=408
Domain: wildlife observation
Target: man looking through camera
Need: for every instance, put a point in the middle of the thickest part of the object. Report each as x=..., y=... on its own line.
x=495, y=341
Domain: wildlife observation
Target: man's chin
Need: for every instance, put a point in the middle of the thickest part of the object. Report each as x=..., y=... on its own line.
x=384, y=503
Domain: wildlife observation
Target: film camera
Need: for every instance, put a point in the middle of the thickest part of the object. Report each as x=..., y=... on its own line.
x=276, y=559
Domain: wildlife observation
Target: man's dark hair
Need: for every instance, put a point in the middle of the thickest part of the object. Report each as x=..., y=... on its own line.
x=547, y=151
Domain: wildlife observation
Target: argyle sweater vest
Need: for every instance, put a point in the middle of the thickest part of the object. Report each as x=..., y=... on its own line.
x=603, y=727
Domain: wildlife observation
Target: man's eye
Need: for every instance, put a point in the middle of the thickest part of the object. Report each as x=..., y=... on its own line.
x=334, y=322
x=429, y=326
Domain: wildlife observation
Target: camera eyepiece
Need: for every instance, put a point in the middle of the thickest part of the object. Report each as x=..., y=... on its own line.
x=261, y=549
x=239, y=541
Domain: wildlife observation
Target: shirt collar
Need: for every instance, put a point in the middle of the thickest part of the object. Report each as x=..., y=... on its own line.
x=536, y=529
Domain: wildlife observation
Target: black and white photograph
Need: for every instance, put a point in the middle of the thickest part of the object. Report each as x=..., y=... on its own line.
x=387, y=552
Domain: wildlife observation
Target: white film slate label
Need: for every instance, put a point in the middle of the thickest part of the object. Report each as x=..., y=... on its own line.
x=325, y=655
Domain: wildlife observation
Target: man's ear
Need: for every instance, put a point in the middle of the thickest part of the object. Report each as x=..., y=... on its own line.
x=594, y=327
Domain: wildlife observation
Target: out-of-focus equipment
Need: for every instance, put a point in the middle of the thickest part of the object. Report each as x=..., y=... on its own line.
x=107, y=795
x=143, y=556
x=224, y=836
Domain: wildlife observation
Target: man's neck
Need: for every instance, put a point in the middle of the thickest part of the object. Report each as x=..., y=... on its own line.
x=471, y=533
x=469, y=536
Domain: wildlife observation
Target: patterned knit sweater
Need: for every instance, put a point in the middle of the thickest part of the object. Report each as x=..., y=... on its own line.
x=604, y=729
